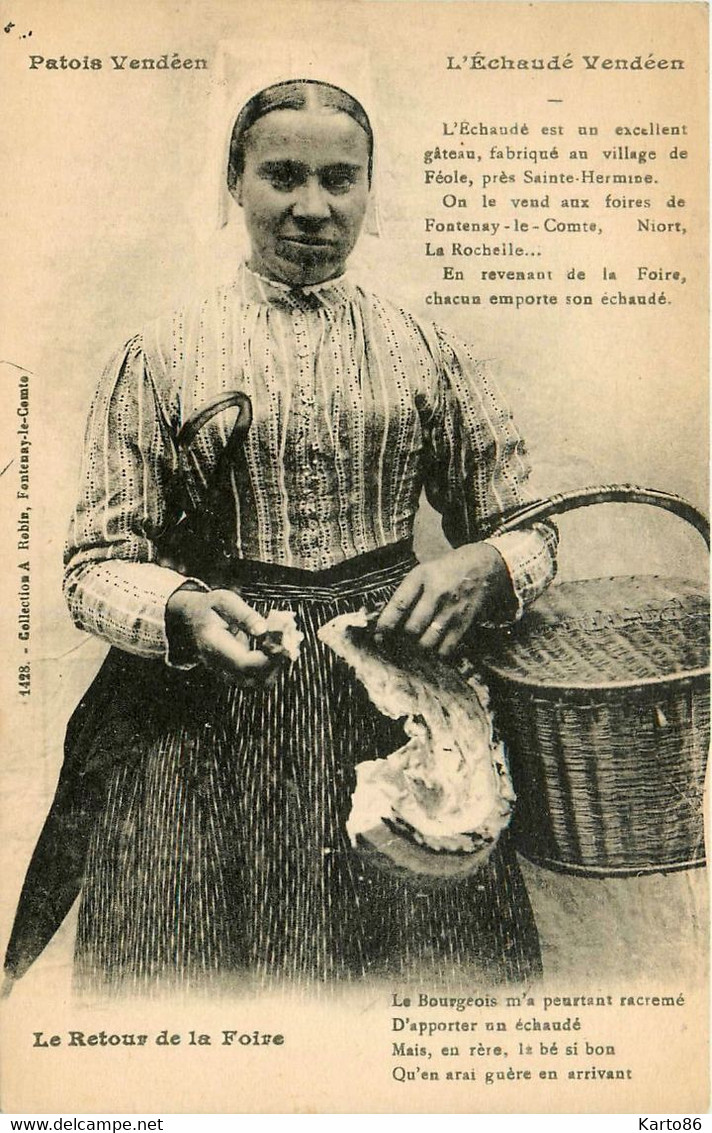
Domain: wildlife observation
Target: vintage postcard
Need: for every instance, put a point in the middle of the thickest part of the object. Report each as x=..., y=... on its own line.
x=337, y=776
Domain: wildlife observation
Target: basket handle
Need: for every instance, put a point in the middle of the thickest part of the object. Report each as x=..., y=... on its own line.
x=605, y=494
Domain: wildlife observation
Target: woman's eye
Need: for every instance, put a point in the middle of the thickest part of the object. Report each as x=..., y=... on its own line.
x=283, y=180
x=338, y=182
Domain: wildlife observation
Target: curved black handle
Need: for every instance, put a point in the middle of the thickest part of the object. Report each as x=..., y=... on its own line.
x=605, y=494
x=194, y=424
x=177, y=499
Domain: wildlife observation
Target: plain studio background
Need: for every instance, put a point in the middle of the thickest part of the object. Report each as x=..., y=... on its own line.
x=105, y=228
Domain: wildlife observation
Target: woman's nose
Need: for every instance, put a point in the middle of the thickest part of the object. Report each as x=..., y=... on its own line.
x=311, y=201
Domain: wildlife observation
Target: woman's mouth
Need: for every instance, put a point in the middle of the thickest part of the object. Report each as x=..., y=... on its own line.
x=313, y=242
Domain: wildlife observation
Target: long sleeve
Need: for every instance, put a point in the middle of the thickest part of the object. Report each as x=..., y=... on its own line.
x=113, y=585
x=477, y=470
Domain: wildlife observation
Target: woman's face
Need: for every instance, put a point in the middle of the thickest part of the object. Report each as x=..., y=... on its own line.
x=304, y=191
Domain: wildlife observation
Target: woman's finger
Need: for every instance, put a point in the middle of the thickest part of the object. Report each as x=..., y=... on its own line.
x=427, y=609
x=397, y=609
x=222, y=650
x=436, y=630
x=451, y=642
x=236, y=612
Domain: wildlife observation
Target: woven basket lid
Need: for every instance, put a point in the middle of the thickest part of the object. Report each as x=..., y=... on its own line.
x=605, y=632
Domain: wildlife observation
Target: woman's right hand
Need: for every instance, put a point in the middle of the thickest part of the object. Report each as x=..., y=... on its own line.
x=212, y=628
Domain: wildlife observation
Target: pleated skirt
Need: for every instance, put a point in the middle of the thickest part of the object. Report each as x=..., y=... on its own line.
x=221, y=853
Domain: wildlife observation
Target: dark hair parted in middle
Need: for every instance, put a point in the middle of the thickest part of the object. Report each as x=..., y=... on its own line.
x=294, y=94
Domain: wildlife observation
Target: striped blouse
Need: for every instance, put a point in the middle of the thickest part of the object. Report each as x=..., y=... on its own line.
x=356, y=408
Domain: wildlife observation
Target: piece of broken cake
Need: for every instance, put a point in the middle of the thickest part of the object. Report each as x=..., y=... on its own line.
x=434, y=808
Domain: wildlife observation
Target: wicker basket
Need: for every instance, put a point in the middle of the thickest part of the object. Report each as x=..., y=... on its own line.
x=601, y=694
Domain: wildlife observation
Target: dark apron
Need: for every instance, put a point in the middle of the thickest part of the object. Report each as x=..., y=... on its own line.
x=128, y=696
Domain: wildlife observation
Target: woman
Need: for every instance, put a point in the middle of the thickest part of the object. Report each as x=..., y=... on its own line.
x=221, y=845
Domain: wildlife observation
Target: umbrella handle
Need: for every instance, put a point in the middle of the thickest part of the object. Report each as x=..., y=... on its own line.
x=177, y=503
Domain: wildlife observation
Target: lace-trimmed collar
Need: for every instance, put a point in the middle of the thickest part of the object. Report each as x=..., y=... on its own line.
x=257, y=288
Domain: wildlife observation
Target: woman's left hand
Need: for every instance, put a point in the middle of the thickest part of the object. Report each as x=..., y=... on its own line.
x=438, y=601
